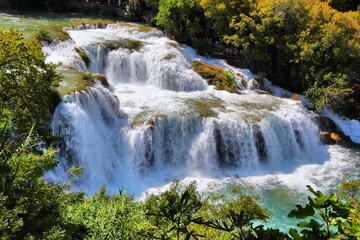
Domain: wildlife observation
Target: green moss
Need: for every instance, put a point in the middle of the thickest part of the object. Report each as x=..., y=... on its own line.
x=223, y=80
x=269, y=106
x=169, y=56
x=140, y=119
x=138, y=27
x=86, y=76
x=209, y=72
x=146, y=117
x=43, y=35
x=130, y=44
x=72, y=81
x=84, y=56
x=144, y=28
x=205, y=107
x=102, y=79
x=253, y=118
x=78, y=81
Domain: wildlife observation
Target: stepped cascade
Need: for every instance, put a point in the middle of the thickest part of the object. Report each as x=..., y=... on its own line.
x=146, y=117
x=157, y=119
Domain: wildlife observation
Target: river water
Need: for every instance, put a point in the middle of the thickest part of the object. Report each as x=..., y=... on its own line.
x=159, y=120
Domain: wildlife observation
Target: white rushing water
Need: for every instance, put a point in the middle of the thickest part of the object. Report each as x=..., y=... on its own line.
x=159, y=120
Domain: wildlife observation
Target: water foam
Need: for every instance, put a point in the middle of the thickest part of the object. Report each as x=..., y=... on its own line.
x=161, y=121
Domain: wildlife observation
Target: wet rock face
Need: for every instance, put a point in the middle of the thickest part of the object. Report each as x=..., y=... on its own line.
x=260, y=143
x=329, y=138
x=326, y=124
x=330, y=133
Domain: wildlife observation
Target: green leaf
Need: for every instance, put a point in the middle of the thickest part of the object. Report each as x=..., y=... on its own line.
x=301, y=212
x=294, y=233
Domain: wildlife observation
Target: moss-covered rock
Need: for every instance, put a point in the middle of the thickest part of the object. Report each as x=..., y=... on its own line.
x=84, y=56
x=205, y=107
x=223, y=80
x=102, y=79
x=209, y=72
x=130, y=44
x=137, y=27
x=169, y=56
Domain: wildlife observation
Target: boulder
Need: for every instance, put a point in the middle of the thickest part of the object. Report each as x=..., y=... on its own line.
x=330, y=133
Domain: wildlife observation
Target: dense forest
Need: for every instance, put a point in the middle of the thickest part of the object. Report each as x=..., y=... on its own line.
x=310, y=47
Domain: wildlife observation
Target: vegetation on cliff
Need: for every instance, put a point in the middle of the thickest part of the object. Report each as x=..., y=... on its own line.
x=310, y=47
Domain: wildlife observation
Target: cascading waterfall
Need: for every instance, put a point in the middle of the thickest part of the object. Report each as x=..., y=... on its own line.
x=112, y=143
x=159, y=120
x=168, y=117
x=160, y=115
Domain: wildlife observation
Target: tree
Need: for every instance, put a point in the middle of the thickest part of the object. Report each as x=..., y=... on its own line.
x=173, y=212
x=30, y=206
x=233, y=216
x=182, y=18
x=27, y=83
x=329, y=218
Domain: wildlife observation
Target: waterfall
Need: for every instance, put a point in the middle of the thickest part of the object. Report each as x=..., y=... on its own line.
x=161, y=116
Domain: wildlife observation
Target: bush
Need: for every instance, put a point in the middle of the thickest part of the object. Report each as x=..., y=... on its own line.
x=27, y=83
x=43, y=36
x=228, y=82
x=108, y=216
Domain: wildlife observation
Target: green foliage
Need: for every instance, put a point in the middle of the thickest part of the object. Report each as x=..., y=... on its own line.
x=108, y=216
x=329, y=218
x=30, y=207
x=27, y=83
x=303, y=45
x=180, y=17
x=133, y=10
x=223, y=80
x=228, y=81
x=181, y=213
x=43, y=36
x=173, y=212
x=130, y=44
x=330, y=91
x=233, y=215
